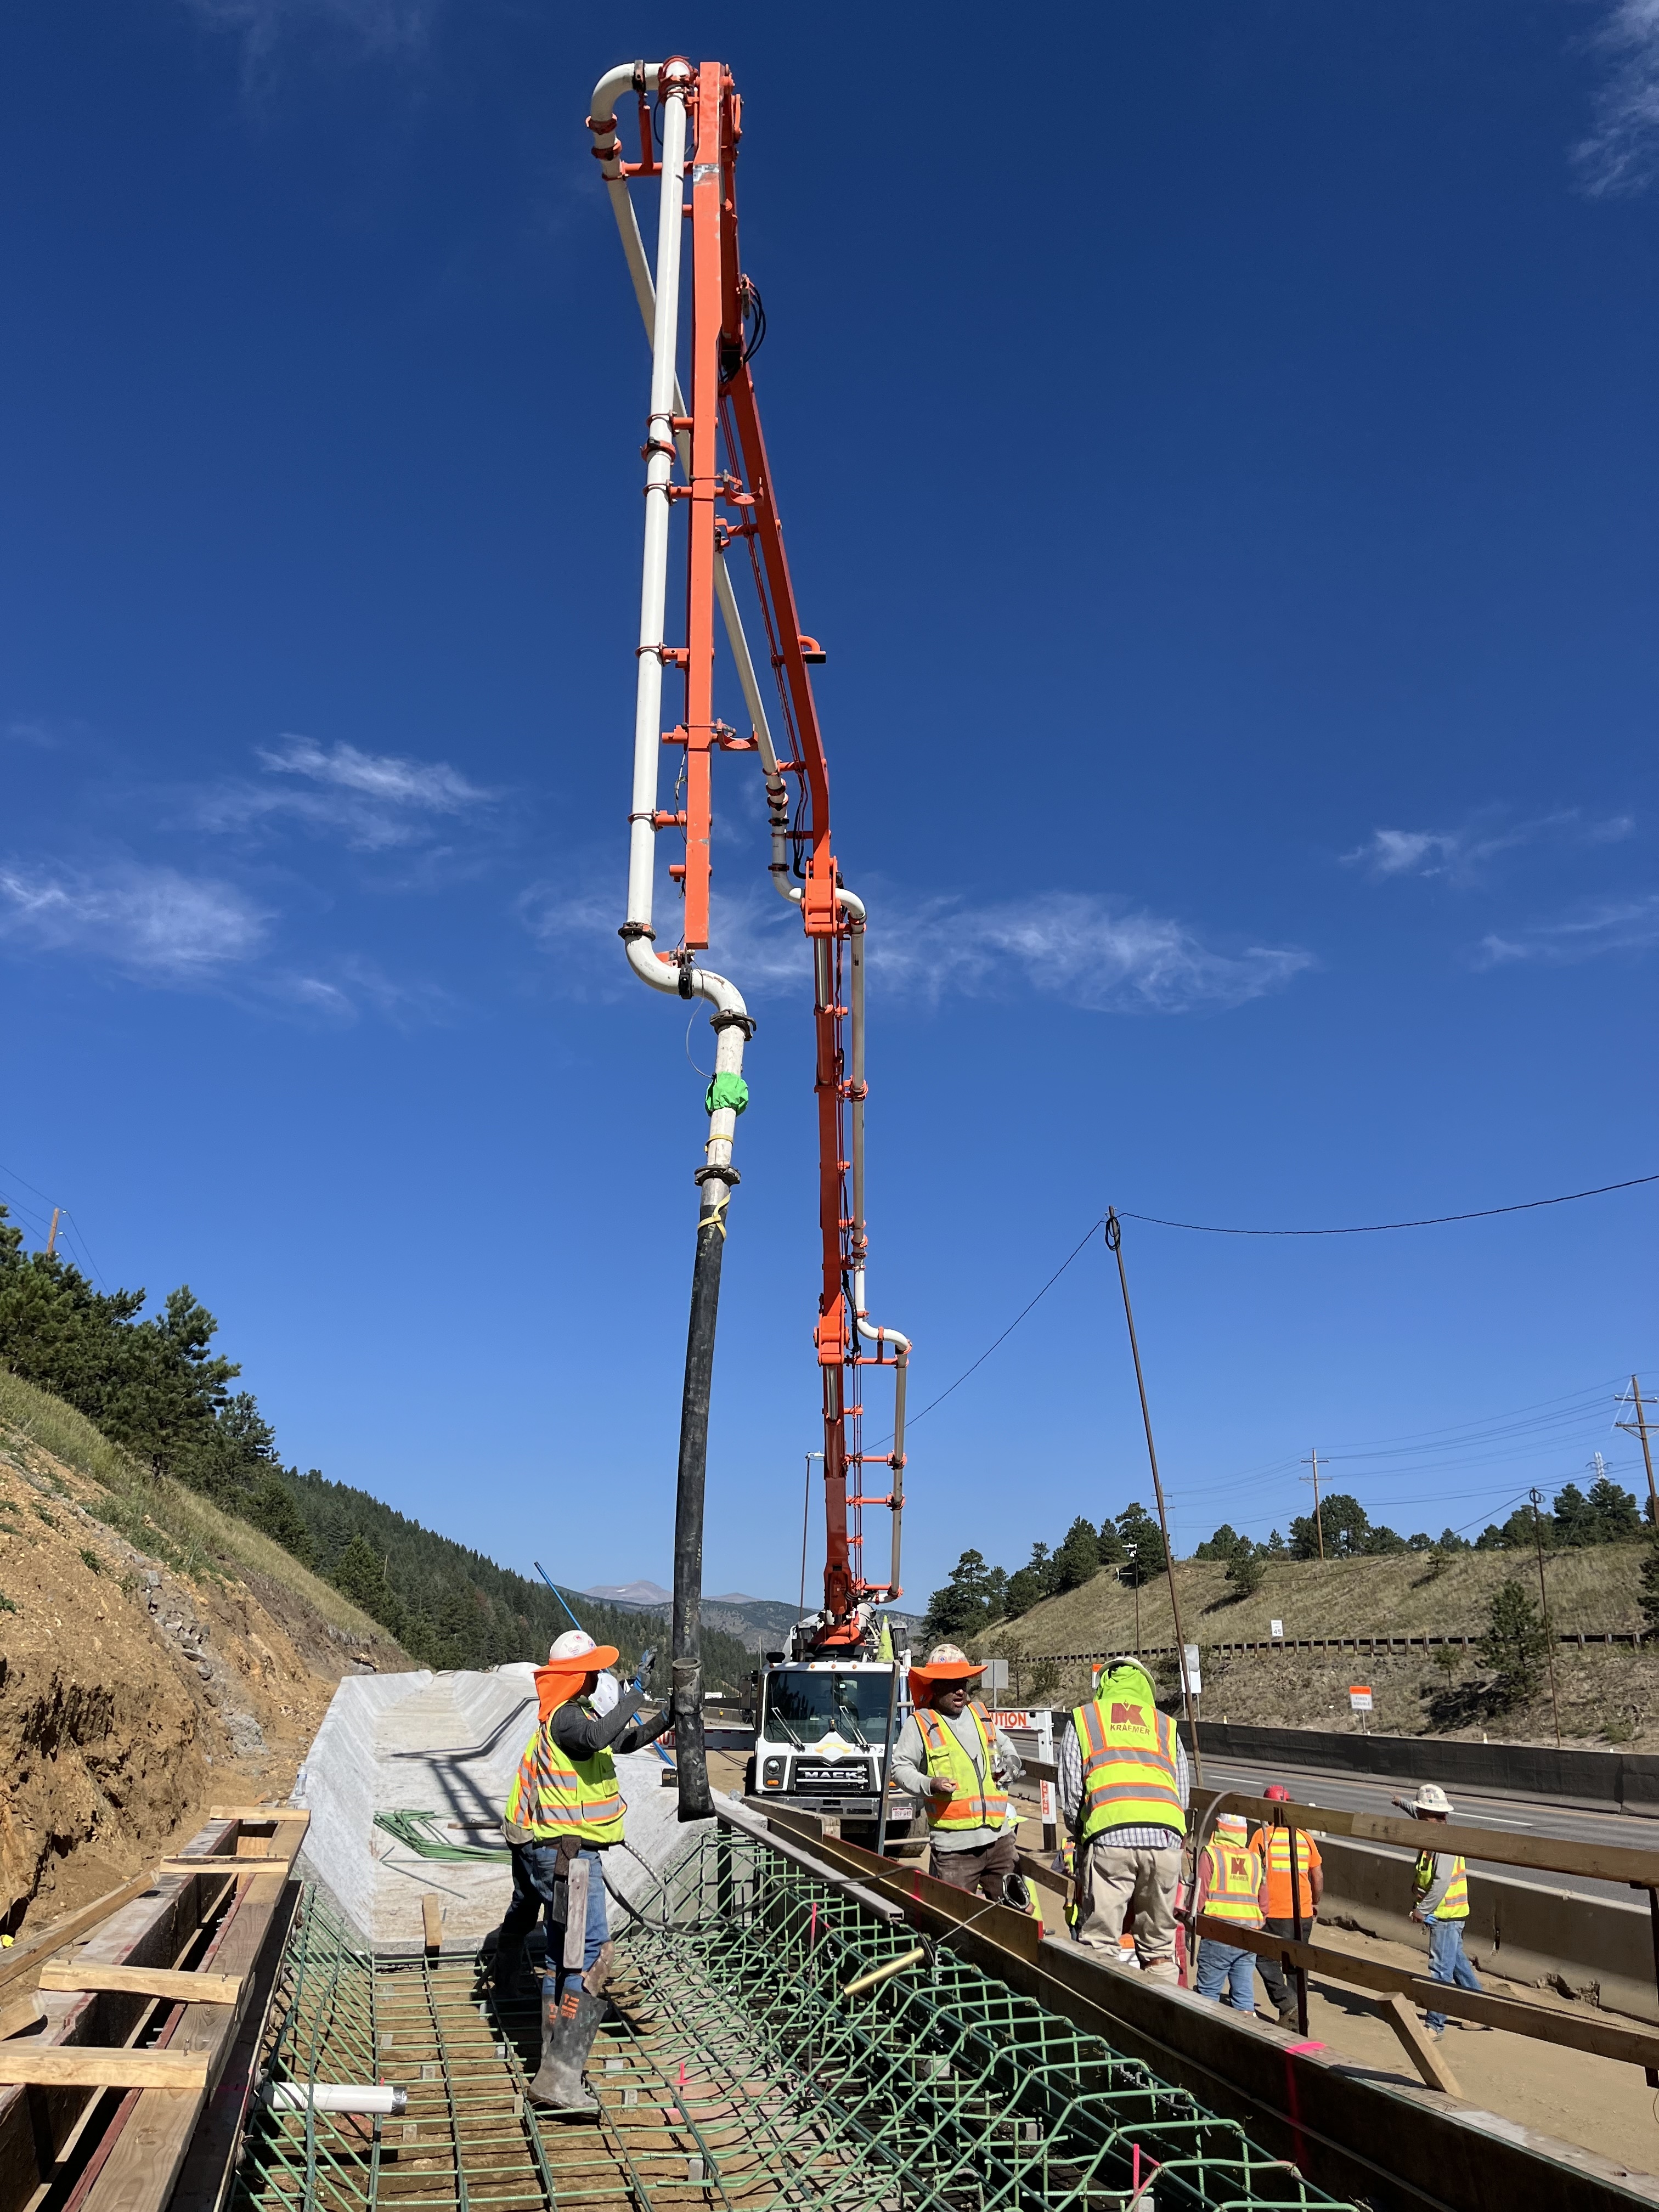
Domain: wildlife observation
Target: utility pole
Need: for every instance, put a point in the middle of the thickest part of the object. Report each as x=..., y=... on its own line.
x=1638, y=1427
x=1537, y=1497
x=51, y=1234
x=1312, y=1461
x=1115, y=1246
x=1134, y=1551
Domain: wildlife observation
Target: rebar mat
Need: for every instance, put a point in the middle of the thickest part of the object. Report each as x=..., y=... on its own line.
x=734, y=2075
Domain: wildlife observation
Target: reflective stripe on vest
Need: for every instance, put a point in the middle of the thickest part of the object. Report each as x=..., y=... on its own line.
x=1233, y=1873
x=1454, y=1904
x=553, y=1795
x=1129, y=1776
x=974, y=1802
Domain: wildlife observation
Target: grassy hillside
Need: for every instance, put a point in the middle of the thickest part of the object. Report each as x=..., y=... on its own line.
x=160, y=1517
x=1605, y=1697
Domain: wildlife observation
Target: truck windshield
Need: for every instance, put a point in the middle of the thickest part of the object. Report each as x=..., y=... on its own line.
x=811, y=1705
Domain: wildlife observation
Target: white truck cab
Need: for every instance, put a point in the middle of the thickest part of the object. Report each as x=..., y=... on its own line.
x=821, y=1731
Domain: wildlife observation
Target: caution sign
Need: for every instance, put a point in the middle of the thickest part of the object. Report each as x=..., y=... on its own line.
x=1359, y=1697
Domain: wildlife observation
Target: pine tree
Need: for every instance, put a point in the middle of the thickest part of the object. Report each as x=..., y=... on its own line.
x=1077, y=1559
x=1514, y=1646
x=1244, y=1574
x=1136, y=1526
x=1649, y=1600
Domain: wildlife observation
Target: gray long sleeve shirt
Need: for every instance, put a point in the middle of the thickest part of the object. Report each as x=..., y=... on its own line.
x=910, y=1772
x=1137, y=1836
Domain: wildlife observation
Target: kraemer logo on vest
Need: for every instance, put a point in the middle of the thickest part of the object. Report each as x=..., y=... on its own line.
x=1128, y=1715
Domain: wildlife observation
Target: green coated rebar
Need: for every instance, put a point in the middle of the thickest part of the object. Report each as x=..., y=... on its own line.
x=737, y=2074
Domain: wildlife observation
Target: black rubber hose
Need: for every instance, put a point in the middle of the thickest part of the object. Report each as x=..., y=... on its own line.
x=690, y=1761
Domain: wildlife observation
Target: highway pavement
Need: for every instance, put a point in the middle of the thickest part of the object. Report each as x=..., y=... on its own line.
x=1483, y=1808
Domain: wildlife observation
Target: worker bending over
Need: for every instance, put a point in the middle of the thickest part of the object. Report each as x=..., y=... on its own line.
x=952, y=1755
x=1124, y=1786
x=563, y=1810
x=1283, y=1906
x=1232, y=1887
x=1440, y=1884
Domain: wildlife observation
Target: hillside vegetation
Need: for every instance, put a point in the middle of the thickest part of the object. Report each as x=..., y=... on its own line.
x=162, y=1406
x=1606, y=1695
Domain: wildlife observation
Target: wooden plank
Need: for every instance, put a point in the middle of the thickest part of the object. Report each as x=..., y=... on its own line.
x=139, y=2174
x=178, y=1988
x=223, y=1863
x=86, y=2066
x=21, y=2015
x=210, y=2163
x=1421, y=2046
x=254, y=1813
x=1543, y=1854
x=432, y=1924
x=1594, y=2032
x=24, y=1958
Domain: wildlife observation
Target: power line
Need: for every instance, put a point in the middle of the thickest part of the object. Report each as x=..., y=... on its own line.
x=1376, y=1228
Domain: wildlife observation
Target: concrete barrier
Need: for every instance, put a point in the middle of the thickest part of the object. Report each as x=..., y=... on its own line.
x=1582, y=1946
x=1628, y=1781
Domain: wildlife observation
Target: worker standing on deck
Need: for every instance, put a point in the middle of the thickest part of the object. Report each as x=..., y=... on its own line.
x=1440, y=1882
x=1283, y=1907
x=1124, y=1785
x=952, y=1755
x=563, y=1810
x=1232, y=1887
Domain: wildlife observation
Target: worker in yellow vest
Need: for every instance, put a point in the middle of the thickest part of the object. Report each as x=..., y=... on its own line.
x=952, y=1755
x=1124, y=1785
x=1440, y=1886
x=564, y=1809
x=1232, y=1887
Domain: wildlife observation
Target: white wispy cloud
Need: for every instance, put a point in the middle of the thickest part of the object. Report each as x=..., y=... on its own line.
x=1626, y=925
x=1091, y=952
x=374, y=801
x=1621, y=154
x=36, y=734
x=355, y=985
x=1460, y=856
x=148, y=921
x=372, y=27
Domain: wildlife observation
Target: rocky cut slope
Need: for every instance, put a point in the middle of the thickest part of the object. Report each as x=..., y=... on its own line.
x=155, y=1656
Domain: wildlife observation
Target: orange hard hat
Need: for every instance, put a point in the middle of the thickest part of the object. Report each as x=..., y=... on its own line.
x=946, y=1663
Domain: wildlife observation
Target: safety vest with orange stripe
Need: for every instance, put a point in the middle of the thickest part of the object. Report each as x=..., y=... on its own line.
x=975, y=1801
x=553, y=1795
x=1233, y=1873
x=1129, y=1773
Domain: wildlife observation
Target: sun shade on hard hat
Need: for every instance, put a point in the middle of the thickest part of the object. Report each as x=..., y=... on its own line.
x=574, y=1657
x=946, y=1664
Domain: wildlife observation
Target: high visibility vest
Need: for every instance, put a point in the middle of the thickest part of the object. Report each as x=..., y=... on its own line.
x=1454, y=1904
x=1233, y=1871
x=1274, y=1845
x=553, y=1795
x=1129, y=1773
x=974, y=1802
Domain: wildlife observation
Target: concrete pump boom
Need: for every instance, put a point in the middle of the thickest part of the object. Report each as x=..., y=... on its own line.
x=725, y=481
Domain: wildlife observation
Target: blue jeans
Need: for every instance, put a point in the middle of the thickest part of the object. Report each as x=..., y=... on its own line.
x=1446, y=1963
x=1226, y=1966
x=534, y=1889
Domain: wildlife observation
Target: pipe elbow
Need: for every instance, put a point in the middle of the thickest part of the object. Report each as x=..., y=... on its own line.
x=660, y=974
x=725, y=997
x=852, y=904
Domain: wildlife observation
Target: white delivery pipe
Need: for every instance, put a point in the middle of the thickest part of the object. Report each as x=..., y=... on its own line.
x=370, y=2098
x=673, y=80
x=603, y=123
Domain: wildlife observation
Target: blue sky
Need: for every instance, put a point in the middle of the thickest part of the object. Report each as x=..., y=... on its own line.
x=1217, y=451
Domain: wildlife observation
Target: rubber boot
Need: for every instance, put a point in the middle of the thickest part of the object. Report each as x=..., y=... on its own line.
x=504, y=1970
x=569, y=2023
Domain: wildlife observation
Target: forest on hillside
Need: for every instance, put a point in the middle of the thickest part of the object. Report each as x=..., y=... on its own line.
x=154, y=1385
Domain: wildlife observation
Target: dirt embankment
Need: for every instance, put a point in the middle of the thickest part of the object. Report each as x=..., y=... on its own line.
x=1607, y=1694
x=138, y=1686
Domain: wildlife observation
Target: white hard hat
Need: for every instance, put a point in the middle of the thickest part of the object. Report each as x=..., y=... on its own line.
x=574, y=1643
x=1431, y=1798
x=1230, y=1820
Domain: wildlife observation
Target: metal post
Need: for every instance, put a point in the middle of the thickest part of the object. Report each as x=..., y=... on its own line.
x=1047, y=1796
x=1301, y=1972
x=690, y=1763
x=805, y=1514
x=1115, y=1245
x=884, y=1779
x=1638, y=1427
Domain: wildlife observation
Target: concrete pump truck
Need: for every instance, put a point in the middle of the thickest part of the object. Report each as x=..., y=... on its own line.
x=828, y=1705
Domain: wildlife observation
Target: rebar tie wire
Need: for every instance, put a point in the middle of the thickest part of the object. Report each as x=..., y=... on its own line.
x=941, y=2091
